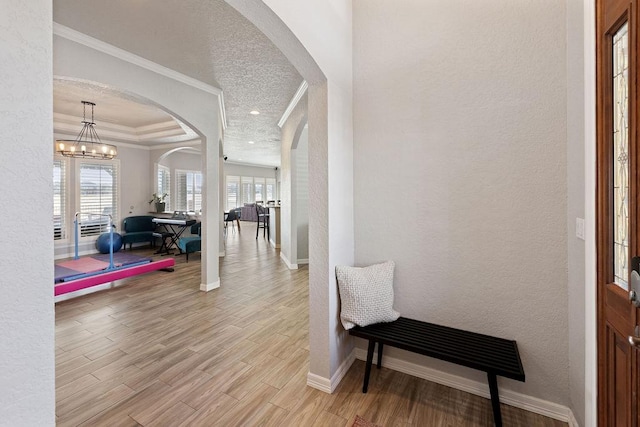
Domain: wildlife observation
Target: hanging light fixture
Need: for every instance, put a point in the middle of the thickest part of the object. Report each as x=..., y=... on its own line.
x=87, y=144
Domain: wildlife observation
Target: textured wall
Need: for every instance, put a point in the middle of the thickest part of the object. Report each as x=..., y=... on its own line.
x=460, y=170
x=575, y=207
x=26, y=256
x=302, y=195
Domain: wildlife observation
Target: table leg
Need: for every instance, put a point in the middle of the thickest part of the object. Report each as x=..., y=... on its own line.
x=495, y=399
x=367, y=370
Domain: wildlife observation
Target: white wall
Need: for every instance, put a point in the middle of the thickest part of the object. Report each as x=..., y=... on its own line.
x=247, y=170
x=302, y=196
x=289, y=136
x=26, y=253
x=460, y=136
x=135, y=187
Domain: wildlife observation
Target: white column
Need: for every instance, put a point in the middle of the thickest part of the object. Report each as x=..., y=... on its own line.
x=210, y=277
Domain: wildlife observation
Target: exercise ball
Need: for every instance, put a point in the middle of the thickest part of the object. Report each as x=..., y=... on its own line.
x=102, y=244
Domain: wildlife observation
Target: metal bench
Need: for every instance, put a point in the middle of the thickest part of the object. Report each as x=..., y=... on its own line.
x=495, y=356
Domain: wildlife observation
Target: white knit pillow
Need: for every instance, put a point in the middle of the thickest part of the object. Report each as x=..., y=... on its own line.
x=366, y=294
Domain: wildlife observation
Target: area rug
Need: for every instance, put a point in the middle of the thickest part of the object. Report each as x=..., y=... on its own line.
x=361, y=422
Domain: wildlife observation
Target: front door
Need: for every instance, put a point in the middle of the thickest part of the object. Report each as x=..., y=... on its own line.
x=618, y=197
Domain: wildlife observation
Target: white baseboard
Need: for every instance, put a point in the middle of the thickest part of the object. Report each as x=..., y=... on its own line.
x=303, y=261
x=319, y=383
x=206, y=287
x=286, y=261
x=329, y=385
x=572, y=420
x=222, y=254
x=508, y=397
x=72, y=253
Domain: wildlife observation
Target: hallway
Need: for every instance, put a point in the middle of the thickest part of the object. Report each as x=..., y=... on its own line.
x=158, y=352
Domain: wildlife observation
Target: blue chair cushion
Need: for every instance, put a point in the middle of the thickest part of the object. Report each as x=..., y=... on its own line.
x=190, y=244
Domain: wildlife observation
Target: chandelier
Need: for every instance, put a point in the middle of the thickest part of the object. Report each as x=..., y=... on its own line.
x=87, y=144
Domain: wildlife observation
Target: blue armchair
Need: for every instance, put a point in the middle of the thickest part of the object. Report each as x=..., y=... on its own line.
x=191, y=244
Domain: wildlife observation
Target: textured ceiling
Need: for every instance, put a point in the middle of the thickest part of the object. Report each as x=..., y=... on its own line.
x=207, y=40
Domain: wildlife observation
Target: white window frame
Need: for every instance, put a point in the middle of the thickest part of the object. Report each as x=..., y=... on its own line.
x=78, y=196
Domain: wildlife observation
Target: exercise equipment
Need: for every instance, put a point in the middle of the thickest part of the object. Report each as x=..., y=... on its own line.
x=104, y=241
x=83, y=272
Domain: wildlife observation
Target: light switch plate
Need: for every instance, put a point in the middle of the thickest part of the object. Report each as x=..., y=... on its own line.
x=580, y=228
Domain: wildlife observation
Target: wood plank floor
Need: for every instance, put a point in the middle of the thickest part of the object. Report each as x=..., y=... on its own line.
x=158, y=352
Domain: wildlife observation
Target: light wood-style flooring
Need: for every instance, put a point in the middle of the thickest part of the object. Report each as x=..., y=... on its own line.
x=159, y=352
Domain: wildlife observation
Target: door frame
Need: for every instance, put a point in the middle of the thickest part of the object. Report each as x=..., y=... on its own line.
x=611, y=300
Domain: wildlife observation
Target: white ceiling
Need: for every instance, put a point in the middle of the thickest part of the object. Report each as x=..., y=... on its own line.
x=204, y=39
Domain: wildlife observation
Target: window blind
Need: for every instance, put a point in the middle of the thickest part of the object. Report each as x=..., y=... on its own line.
x=247, y=189
x=258, y=185
x=271, y=189
x=59, y=199
x=98, y=196
x=164, y=185
x=188, y=191
x=233, y=192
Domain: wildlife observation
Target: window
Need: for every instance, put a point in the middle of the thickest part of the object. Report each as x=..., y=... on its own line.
x=98, y=196
x=164, y=185
x=59, y=199
x=233, y=192
x=271, y=189
x=188, y=191
x=247, y=189
x=258, y=185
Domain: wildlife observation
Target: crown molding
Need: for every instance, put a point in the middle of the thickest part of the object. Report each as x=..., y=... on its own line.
x=192, y=143
x=294, y=101
x=93, y=43
x=253, y=165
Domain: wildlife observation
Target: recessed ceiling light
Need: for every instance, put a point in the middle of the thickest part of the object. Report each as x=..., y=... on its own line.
x=251, y=142
x=254, y=112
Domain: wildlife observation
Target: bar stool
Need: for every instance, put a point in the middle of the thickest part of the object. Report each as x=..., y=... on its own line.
x=263, y=221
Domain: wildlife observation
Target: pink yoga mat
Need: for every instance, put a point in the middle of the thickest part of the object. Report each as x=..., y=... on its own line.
x=85, y=265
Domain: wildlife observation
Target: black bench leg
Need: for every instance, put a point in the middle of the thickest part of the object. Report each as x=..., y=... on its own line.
x=367, y=370
x=379, y=355
x=495, y=399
